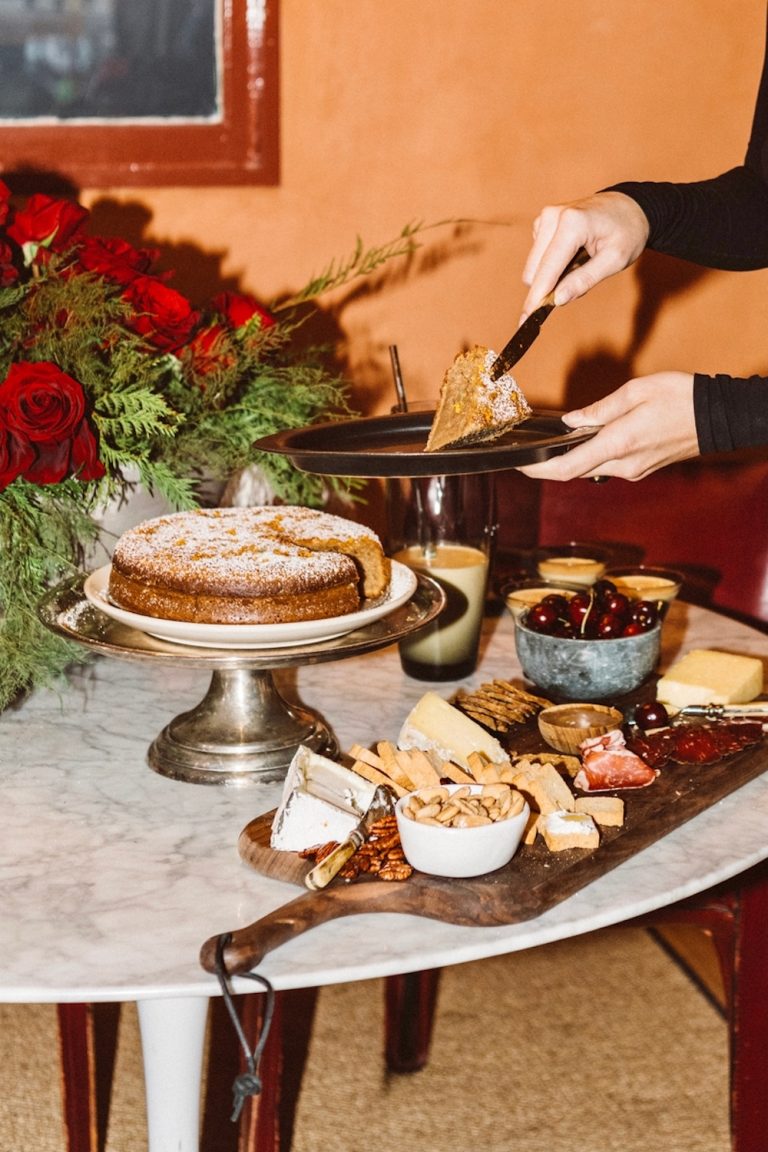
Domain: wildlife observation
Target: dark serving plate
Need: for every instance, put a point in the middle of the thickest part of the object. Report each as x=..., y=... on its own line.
x=395, y=446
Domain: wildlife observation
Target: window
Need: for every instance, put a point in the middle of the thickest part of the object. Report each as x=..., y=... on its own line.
x=132, y=92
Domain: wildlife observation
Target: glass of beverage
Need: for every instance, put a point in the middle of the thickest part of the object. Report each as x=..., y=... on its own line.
x=445, y=526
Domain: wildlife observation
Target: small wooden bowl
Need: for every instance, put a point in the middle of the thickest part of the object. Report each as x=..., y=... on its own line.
x=566, y=726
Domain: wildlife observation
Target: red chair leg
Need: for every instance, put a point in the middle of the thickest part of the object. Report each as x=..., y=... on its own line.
x=735, y=915
x=267, y=1122
x=748, y=1031
x=78, y=1076
x=87, y=1046
x=410, y=1003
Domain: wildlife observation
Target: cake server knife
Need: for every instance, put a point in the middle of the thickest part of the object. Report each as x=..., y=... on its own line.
x=325, y=870
x=531, y=326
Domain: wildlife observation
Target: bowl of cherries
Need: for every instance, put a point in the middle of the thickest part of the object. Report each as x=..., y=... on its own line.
x=596, y=644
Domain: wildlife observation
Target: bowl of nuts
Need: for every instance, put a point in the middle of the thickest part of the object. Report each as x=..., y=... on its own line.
x=461, y=830
x=596, y=645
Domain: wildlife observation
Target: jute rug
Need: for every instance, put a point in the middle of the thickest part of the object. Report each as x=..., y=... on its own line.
x=600, y=1044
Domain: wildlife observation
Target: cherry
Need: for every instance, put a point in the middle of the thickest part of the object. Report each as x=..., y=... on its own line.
x=633, y=628
x=557, y=601
x=609, y=627
x=541, y=617
x=603, y=588
x=617, y=604
x=579, y=607
x=645, y=613
x=651, y=715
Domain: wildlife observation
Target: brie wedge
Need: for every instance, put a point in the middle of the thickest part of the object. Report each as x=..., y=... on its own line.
x=321, y=801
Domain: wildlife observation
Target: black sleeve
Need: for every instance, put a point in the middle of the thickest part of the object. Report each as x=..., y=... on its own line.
x=718, y=223
x=721, y=222
x=730, y=413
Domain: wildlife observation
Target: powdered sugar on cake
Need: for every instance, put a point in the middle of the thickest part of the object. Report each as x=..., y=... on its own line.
x=266, y=564
x=472, y=407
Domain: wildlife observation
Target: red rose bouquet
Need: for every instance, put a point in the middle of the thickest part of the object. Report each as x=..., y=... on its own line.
x=106, y=371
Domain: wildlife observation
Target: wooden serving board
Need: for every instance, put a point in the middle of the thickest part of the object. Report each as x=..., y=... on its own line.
x=534, y=880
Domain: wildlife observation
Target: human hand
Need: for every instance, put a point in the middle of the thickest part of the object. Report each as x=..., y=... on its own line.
x=644, y=425
x=612, y=228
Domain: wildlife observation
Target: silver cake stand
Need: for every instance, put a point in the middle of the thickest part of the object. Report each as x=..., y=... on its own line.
x=243, y=731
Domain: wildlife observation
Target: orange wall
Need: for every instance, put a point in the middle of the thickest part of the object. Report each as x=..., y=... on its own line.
x=398, y=110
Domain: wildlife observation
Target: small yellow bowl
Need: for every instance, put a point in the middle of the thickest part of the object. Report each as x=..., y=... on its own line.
x=566, y=726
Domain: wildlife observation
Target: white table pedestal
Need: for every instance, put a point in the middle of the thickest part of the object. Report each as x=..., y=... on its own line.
x=172, y=1041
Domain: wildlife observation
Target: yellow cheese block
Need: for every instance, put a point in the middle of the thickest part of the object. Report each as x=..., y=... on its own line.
x=705, y=676
x=435, y=725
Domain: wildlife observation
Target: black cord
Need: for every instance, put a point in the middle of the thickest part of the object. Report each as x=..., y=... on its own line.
x=247, y=1083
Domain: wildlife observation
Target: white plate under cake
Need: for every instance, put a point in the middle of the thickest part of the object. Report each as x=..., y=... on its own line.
x=402, y=587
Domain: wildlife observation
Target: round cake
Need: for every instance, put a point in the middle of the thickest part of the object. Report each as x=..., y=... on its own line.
x=265, y=565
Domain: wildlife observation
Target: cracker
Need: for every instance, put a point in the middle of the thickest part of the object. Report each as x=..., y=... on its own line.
x=376, y=776
x=450, y=771
x=419, y=768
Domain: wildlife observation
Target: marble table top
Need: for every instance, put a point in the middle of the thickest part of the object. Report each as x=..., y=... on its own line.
x=111, y=876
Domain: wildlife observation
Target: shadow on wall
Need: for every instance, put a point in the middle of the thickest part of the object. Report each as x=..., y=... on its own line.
x=660, y=279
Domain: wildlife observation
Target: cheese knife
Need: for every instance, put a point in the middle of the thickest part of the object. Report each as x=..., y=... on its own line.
x=324, y=871
x=531, y=326
x=757, y=710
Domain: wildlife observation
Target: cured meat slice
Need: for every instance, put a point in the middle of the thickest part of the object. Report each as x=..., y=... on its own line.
x=608, y=764
x=697, y=743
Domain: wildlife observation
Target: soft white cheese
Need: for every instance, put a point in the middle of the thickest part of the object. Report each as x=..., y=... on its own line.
x=321, y=801
x=705, y=676
x=568, y=830
x=435, y=725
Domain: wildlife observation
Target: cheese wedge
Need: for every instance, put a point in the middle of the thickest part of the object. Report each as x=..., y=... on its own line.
x=321, y=801
x=435, y=725
x=705, y=676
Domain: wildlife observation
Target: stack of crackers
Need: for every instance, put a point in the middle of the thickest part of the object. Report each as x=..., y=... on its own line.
x=499, y=705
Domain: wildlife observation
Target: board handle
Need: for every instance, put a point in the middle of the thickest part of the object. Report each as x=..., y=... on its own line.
x=246, y=947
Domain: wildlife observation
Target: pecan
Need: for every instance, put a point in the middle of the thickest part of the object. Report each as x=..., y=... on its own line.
x=395, y=870
x=319, y=851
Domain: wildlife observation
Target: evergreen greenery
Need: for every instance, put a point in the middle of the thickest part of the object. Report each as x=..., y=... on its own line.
x=171, y=416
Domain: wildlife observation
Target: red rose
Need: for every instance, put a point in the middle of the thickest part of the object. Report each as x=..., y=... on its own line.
x=238, y=309
x=5, y=201
x=47, y=220
x=115, y=259
x=78, y=457
x=9, y=274
x=161, y=314
x=44, y=408
x=40, y=401
x=209, y=351
x=15, y=456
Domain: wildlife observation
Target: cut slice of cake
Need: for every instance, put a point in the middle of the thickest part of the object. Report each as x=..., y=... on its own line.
x=472, y=408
